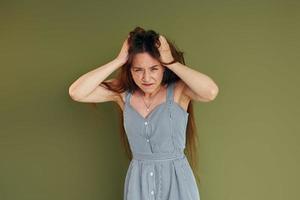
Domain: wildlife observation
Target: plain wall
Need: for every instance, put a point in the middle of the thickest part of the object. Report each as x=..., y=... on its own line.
x=52, y=147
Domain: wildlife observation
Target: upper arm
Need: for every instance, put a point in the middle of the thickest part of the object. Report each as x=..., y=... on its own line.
x=189, y=94
x=101, y=94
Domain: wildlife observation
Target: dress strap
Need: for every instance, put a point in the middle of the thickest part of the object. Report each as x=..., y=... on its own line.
x=127, y=96
x=170, y=92
x=170, y=99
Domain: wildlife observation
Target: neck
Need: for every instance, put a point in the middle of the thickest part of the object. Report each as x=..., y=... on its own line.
x=149, y=95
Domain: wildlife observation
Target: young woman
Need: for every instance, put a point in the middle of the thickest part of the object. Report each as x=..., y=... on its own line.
x=154, y=90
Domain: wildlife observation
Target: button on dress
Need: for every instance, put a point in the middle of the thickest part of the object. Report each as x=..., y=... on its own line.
x=159, y=169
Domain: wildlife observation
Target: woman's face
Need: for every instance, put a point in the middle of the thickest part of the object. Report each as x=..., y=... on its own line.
x=146, y=70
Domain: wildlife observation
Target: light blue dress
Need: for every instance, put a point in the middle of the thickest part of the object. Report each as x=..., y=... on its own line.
x=159, y=169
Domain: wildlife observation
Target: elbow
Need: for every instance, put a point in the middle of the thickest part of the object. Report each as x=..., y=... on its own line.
x=213, y=93
x=73, y=95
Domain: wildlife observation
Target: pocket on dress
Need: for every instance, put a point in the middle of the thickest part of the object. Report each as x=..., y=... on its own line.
x=190, y=179
x=130, y=182
x=189, y=174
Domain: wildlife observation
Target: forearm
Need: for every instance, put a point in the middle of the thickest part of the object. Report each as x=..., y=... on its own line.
x=86, y=83
x=199, y=83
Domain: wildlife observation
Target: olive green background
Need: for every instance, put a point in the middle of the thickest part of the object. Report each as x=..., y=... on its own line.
x=52, y=147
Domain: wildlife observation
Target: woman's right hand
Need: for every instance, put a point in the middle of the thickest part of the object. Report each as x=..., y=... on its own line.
x=123, y=55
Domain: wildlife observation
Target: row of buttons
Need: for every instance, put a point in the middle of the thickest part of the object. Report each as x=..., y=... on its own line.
x=146, y=123
x=152, y=192
x=151, y=173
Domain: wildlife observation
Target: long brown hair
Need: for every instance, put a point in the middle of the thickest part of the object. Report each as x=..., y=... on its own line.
x=140, y=41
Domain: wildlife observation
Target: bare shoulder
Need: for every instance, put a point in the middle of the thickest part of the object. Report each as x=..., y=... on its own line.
x=122, y=96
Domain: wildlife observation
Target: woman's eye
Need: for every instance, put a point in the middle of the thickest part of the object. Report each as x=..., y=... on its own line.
x=137, y=70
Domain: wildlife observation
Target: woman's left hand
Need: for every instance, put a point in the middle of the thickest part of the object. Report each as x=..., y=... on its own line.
x=164, y=50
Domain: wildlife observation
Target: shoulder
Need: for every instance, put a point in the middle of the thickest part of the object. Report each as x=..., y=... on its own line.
x=119, y=97
x=123, y=96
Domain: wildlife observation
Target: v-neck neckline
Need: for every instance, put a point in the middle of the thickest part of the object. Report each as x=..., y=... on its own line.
x=149, y=115
x=154, y=109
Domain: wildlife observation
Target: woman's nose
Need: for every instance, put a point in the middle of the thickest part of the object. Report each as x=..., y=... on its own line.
x=146, y=76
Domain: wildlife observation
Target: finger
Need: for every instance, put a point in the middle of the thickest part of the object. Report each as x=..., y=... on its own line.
x=162, y=38
x=163, y=45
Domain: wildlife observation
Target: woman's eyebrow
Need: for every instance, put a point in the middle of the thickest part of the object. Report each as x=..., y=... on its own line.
x=142, y=68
